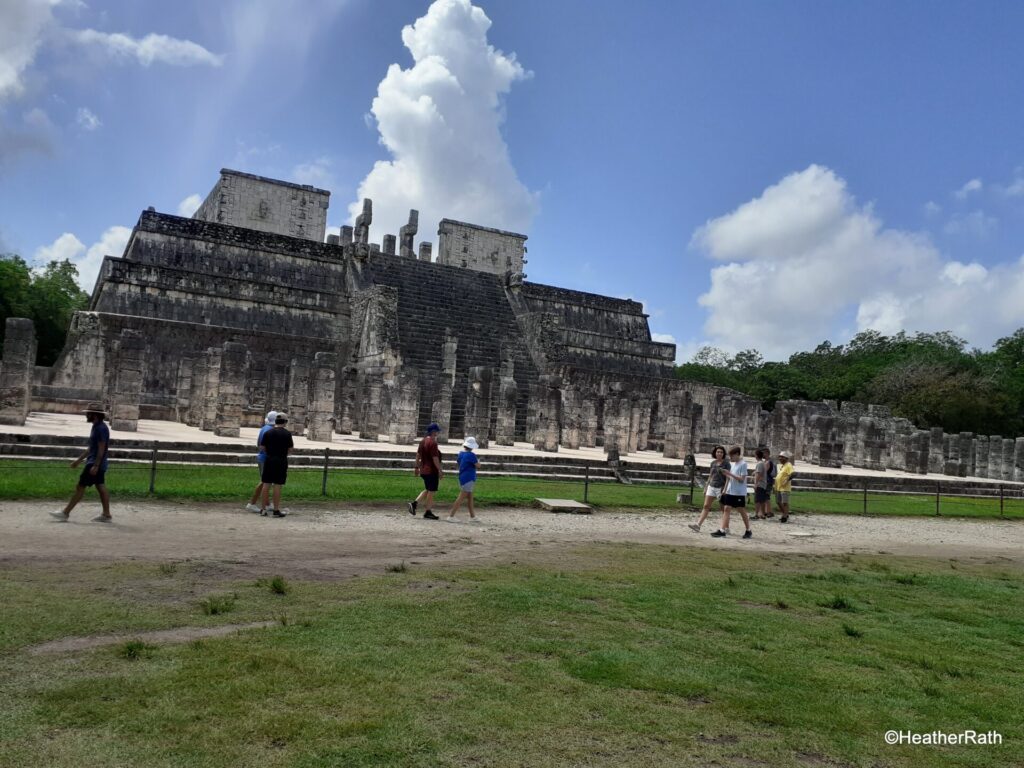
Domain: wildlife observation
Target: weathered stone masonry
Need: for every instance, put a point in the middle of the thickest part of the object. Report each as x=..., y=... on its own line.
x=243, y=308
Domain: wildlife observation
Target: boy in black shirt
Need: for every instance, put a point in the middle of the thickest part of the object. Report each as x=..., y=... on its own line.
x=278, y=444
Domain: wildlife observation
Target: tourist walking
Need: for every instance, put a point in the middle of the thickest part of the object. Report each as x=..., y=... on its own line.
x=428, y=467
x=770, y=470
x=762, y=497
x=735, y=496
x=95, y=471
x=261, y=457
x=716, y=483
x=468, y=462
x=277, y=443
x=783, y=485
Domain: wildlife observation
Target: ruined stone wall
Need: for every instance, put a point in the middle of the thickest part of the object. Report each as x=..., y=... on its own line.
x=483, y=249
x=267, y=205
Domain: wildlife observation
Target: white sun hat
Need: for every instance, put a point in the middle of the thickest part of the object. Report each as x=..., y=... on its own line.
x=471, y=443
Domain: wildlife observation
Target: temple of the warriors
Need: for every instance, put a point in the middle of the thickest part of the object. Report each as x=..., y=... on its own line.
x=251, y=304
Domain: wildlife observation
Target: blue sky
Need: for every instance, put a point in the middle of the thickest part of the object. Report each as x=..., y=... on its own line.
x=762, y=175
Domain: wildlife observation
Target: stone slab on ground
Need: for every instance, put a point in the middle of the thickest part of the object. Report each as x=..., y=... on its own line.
x=565, y=505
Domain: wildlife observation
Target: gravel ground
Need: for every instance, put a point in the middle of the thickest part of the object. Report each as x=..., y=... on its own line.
x=329, y=542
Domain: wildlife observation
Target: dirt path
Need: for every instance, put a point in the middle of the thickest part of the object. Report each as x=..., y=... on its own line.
x=330, y=542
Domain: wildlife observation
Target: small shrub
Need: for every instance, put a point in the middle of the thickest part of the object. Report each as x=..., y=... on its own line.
x=283, y=620
x=852, y=631
x=168, y=569
x=731, y=582
x=134, y=650
x=279, y=586
x=908, y=579
x=838, y=603
x=759, y=647
x=214, y=605
x=399, y=568
x=782, y=605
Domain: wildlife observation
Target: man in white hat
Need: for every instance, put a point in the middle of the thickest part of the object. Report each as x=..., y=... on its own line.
x=95, y=466
x=783, y=485
x=261, y=458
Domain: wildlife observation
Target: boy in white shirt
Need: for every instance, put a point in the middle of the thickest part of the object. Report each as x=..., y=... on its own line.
x=735, y=496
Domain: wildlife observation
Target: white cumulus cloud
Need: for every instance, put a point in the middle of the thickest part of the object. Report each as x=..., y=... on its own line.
x=23, y=24
x=189, y=205
x=87, y=119
x=441, y=121
x=317, y=173
x=974, y=185
x=817, y=260
x=88, y=260
x=976, y=224
x=148, y=50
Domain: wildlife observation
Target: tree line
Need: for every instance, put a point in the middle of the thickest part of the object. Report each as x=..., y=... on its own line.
x=48, y=296
x=933, y=379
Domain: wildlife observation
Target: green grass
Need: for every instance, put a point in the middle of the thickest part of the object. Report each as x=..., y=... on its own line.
x=53, y=480
x=623, y=655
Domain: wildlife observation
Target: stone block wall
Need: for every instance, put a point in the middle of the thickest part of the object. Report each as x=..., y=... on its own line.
x=267, y=205
x=17, y=371
x=482, y=249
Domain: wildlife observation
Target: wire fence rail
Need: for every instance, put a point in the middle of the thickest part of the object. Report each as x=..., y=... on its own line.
x=44, y=478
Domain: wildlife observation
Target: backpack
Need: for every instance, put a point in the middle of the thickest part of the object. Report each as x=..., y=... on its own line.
x=769, y=475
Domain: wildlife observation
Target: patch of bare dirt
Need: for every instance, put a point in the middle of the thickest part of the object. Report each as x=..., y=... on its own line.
x=175, y=635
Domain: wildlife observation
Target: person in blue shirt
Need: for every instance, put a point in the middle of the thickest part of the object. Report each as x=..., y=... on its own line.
x=468, y=463
x=261, y=457
x=95, y=466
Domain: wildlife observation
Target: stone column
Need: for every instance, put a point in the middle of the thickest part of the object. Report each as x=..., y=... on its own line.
x=16, y=373
x=936, y=451
x=588, y=419
x=995, y=457
x=966, y=452
x=981, y=456
x=183, y=389
x=508, y=396
x=572, y=417
x=617, y=413
x=388, y=246
x=1007, y=466
x=441, y=409
x=675, y=411
x=298, y=395
x=643, y=432
x=919, y=452
x=213, y=359
x=197, y=393
x=234, y=366
x=124, y=403
x=405, y=407
x=478, y=405
x=546, y=401
x=1018, y=460
x=320, y=417
x=348, y=411
x=372, y=391
x=426, y=252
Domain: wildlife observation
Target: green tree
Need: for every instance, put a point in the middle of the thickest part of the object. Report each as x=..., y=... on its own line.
x=49, y=297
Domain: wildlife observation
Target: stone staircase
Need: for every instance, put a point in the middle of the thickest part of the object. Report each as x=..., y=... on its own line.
x=433, y=298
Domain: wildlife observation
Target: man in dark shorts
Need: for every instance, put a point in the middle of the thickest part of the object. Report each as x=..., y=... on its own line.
x=278, y=444
x=95, y=466
x=428, y=467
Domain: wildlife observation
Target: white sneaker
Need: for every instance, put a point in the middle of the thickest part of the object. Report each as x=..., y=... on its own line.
x=264, y=512
x=474, y=519
x=450, y=520
x=252, y=508
x=59, y=516
x=694, y=527
x=101, y=519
